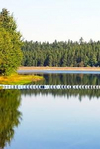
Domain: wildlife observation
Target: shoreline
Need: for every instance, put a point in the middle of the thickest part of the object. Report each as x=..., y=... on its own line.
x=61, y=68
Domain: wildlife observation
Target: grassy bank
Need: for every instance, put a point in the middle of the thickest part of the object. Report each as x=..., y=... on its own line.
x=16, y=79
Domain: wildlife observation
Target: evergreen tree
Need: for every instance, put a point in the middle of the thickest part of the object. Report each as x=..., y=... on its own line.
x=10, y=44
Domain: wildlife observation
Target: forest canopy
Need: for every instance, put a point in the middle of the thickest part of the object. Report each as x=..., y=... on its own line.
x=68, y=53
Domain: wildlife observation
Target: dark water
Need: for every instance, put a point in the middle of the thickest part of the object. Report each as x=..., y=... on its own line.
x=51, y=119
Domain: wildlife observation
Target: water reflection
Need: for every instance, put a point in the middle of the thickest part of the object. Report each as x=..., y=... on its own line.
x=68, y=93
x=71, y=79
x=10, y=116
x=50, y=120
x=68, y=79
x=57, y=123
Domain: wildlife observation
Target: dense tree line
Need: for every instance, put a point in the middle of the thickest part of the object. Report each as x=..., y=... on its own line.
x=74, y=54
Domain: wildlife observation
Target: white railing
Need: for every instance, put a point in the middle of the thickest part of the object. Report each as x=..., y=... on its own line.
x=49, y=86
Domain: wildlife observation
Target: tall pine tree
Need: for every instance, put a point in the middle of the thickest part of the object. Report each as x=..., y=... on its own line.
x=10, y=44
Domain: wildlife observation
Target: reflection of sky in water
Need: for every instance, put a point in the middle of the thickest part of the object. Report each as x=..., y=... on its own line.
x=58, y=123
x=58, y=71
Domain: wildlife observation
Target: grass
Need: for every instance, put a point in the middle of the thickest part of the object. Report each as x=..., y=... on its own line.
x=16, y=79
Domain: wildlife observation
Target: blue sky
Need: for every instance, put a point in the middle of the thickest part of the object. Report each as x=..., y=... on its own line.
x=47, y=20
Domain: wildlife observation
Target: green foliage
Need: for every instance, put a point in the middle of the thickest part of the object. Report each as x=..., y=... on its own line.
x=10, y=44
x=71, y=54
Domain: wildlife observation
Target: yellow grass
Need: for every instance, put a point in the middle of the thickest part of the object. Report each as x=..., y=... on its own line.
x=19, y=79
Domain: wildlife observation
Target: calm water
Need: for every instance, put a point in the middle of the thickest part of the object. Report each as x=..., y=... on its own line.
x=58, y=71
x=51, y=119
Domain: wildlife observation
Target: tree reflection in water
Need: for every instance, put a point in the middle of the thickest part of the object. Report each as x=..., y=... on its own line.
x=68, y=79
x=71, y=79
x=10, y=116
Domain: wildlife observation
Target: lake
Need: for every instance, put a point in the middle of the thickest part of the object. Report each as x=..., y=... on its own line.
x=52, y=119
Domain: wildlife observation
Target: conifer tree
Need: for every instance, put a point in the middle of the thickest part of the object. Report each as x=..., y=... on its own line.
x=10, y=44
